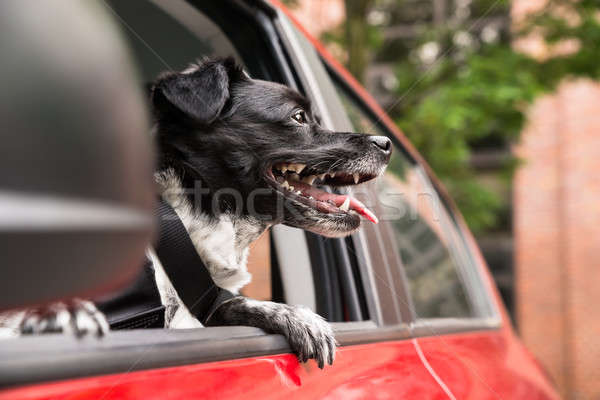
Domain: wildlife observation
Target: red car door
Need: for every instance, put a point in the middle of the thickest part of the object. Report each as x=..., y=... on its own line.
x=386, y=370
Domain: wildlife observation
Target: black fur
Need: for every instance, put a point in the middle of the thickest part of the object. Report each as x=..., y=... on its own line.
x=220, y=130
x=308, y=337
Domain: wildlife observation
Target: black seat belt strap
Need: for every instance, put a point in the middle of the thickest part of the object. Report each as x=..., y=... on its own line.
x=183, y=266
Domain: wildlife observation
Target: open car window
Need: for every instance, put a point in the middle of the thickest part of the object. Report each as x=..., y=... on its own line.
x=169, y=35
x=287, y=264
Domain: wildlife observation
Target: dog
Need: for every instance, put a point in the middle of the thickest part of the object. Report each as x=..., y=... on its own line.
x=238, y=155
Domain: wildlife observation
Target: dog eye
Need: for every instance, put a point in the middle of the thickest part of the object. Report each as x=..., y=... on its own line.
x=299, y=117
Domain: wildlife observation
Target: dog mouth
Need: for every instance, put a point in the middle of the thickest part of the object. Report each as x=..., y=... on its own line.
x=304, y=184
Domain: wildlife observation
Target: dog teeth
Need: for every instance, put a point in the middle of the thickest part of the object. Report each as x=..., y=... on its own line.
x=298, y=193
x=295, y=177
x=322, y=176
x=285, y=185
x=290, y=167
x=356, y=178
x=331, y=174
x=298, y=167
x=291, y=188
x=345, y=205
x=309, y=179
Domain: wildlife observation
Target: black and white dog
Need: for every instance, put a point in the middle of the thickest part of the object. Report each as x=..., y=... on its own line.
x=238, y=155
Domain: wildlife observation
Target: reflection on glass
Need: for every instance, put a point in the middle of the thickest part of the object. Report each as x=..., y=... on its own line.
x=432, y=273
x=421, y=228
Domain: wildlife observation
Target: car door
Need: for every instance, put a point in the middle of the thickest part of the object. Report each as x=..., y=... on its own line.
x=337, y=278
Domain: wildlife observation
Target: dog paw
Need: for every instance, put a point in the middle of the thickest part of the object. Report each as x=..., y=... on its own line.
x=76, y=317
x=310, y=336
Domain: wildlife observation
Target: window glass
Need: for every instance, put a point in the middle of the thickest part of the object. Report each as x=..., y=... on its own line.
x=432, y=253
x=168, y=35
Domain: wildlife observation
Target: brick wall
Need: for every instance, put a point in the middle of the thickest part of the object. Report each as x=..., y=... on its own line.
x=557, y=237
x=317, y=16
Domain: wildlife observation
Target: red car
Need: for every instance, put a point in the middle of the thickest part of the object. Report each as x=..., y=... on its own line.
x=415, y=311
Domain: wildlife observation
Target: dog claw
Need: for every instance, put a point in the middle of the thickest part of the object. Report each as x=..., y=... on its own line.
x=308, y=334
x=311, y=335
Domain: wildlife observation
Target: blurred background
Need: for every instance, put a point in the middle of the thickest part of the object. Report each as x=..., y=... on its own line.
x=502, y=99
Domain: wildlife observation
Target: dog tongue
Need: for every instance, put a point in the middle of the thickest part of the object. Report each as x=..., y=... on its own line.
x=337, y=199
x=356, y=206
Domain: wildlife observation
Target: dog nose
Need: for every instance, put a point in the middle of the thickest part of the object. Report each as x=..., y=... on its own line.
x=383, y=143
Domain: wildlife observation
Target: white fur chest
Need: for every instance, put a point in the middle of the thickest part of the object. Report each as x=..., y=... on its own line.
x=221, y=242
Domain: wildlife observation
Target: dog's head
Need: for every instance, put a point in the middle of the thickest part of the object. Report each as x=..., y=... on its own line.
x=257, y=148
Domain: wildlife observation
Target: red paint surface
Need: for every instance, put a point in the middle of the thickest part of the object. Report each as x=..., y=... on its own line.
x=376, y=371
x=486, y=365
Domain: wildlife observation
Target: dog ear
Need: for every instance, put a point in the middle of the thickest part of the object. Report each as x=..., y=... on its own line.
x=200, y=92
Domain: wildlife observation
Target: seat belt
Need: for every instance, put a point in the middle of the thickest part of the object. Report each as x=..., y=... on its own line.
x=139, y=306
x=185, y=269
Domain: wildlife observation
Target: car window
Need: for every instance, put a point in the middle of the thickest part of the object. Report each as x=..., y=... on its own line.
x=431, y=267
x=437, y=267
